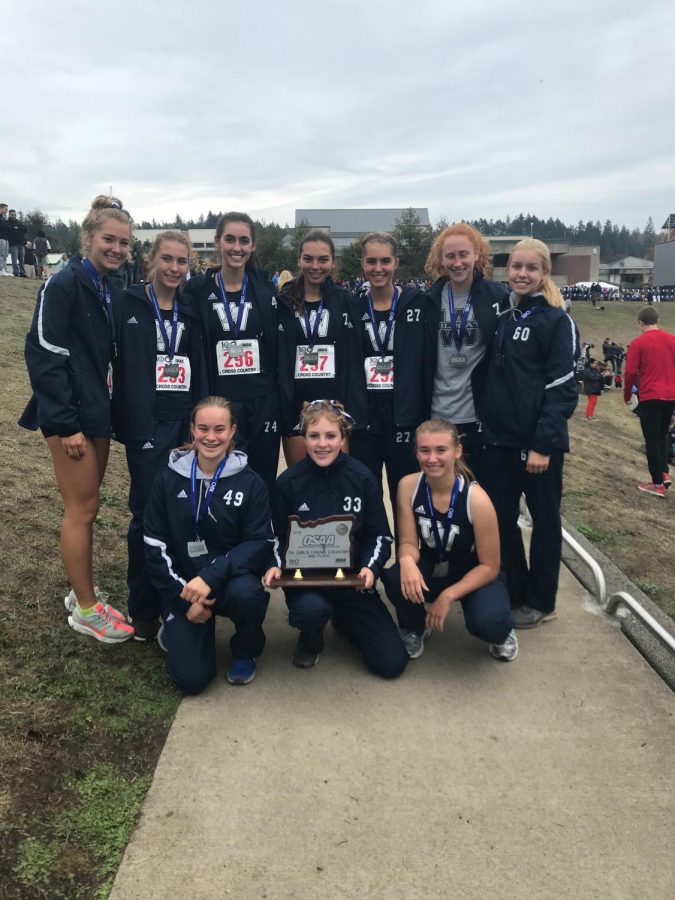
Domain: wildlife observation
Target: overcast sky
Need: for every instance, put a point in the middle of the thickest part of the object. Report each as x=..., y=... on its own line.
x=481, y=108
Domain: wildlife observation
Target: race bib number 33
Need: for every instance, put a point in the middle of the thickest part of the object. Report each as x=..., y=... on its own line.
x=315, y=362
x=174, y=374
x=238, y=357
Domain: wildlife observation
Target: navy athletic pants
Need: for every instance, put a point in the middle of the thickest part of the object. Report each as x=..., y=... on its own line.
x=359, y=616
x=388, y=445
x=191, y=647
x=259, y=435
x=655, y=416
x=487, y=611
x=504, y=478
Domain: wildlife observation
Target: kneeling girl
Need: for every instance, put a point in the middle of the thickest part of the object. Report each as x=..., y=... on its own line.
x=208, y=536
x=327, y=482
x=448, y=549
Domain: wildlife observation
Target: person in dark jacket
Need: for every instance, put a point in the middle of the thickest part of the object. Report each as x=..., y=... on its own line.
x=593, y=381
x=327, y=482
x=159, y=376
x=16, y=236
x=447, y=549
x=318, y=349
x=42, y=247
x=530, y=393
x=238, y=309
x=462, y=311
x=69, y=352
x=208, y=537
x=388, y=401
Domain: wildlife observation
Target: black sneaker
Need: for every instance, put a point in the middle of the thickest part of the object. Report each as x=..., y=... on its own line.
x=304, y=655
x=145, y=631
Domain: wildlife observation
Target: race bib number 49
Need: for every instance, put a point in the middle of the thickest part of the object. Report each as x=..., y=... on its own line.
x=315, y=362
x=379, y=373
x=238, y=357
x=173, y=374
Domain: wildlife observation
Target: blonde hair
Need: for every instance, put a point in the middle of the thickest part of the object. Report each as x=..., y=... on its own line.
x=180, y=237
x=332, y=409
x=443, y=426
x=284, y=278
x=548, y=288
x=219, y=403
x=434, y=263
x=102, y=209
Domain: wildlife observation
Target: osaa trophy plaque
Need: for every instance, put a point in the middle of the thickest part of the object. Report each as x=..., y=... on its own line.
x=319, y=554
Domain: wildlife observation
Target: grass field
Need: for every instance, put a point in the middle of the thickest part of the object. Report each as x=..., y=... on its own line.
x=83, y=724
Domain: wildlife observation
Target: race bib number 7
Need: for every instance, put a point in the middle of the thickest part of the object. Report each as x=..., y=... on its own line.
x=315, y=362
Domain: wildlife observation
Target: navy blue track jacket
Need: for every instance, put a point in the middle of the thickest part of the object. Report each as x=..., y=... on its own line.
x=204, y=291
x=134, y=381
x=237, y=530
x=412, y=401
x=68, y=352
x=488, y=300
x=344, y=488
x=529, y=398
x=340, y=331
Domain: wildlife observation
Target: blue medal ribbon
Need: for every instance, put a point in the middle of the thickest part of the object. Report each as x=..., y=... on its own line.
x=200, y=512
x=313, y=333
x=169, y=345
x=458, y=335
x=442, y=543
x=103, y=294
x=383, y=346
x=235, y=327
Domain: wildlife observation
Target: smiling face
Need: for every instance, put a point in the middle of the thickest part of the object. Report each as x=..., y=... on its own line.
x=525, y=272
x=316, y=262
x=170, y=264
x=109, y=246
x=458, y=260
x=213, y=434
x=236, y=246
x=436, y=453
x=324, y=440
x=379, y=263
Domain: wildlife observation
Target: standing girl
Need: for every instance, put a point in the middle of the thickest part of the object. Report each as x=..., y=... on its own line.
x=207, y=539
x=594, y=383
x=530, y=394
x=327, y=482
x=69, y=352
x=448, y=549
x=391, y=401
x=318, y=349
x=239, y=317
x=461, y=318
x=159, y=376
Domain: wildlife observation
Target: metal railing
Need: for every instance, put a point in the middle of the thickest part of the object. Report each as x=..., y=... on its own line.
x=593, y=565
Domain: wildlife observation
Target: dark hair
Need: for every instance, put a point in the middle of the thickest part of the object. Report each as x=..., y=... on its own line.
x=243, y=219
x=648, y=316
x=296, y=288
x=437, y=426
x=39, y=232
x=12, y=210
x=379, y=237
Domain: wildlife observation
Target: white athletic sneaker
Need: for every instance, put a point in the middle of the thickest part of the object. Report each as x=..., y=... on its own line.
x=101, y=625
x=507, y=650
x=70, y=603
x=414, y=642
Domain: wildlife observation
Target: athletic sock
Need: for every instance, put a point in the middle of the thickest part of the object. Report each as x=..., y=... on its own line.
x=85, y=612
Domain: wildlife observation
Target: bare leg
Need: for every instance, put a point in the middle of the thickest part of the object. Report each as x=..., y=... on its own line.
x=294, y=450
x=78, y=481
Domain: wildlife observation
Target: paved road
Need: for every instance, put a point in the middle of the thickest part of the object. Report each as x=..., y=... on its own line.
x=548, y=777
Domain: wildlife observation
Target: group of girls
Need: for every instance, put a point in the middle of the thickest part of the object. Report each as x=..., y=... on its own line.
x=139, y=363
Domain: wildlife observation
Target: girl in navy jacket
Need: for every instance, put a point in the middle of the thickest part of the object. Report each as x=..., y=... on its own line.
x=530, y=394
x=462, y=311
x=388, y=401
x=69, y=352
x=318, y=349
x=327, y=482
x=159, y=376
x=238, y=310
x=208, y=537
x=448, y=549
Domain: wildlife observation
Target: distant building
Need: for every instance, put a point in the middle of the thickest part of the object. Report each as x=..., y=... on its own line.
x=570, y=263
x=664, y=264
x=202, y=239
x=630, y=271
x=348, y=225
x=668, y=226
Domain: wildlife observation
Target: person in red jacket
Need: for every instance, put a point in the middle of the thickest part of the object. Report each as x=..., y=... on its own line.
x=650, y=365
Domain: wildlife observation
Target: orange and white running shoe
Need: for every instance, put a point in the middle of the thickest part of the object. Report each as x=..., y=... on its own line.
x=102, y=596
x=101, y=625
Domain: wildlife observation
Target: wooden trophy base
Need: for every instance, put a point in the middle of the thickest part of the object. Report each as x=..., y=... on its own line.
x=319, y=578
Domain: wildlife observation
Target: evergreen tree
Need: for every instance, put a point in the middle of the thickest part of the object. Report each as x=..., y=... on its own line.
x=414, y=241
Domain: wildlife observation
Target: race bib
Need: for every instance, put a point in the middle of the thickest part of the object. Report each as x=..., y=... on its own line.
x=172, y=374
x=379, y=373
x=315, y=362
x=238, y=357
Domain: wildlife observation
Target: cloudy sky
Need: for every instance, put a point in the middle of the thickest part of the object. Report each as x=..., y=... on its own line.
x=482, y=108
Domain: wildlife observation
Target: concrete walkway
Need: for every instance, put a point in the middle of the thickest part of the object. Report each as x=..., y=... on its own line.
x=548, y=777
